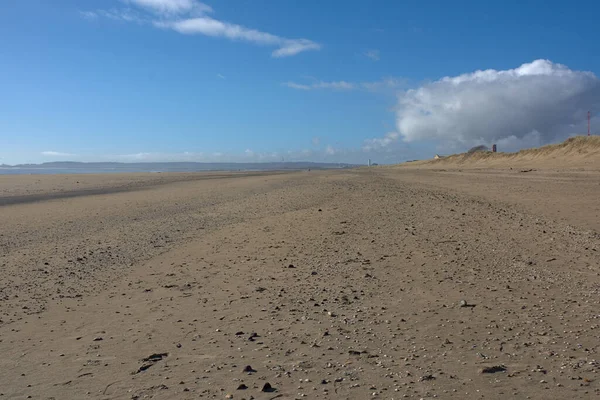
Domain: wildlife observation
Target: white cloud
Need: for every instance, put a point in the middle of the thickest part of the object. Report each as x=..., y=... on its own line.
x=56, y=154
x=208, y=26
x=533, y=104
x=297, y=86
x=380, y=143
x=190, y=17
x=190, y=156
x=120, y=14
x=291, y=47
x=88, y=14
x=212, y=27
x=513, y=143
x=330, y=150
x=139, y=157
x=171, y=7
x=372, y=54
x=339, y=85
x=384, y=84
x=393, y=153
x=336, y=85
x=220, y=76
x=316, y=141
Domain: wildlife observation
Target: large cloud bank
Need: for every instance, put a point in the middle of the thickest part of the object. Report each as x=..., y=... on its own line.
x=533, y=104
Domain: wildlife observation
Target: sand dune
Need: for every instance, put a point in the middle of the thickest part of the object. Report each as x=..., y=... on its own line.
x=575, y=152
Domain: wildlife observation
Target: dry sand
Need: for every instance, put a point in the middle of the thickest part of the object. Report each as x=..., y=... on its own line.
x=383, y=283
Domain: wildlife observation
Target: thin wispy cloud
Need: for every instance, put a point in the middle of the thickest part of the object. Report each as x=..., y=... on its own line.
x=379, y=149
x=384, y=84
x=171, y=7
x=220, y=76
x=116, y=14
x=372, y=54
x=56, y=154
x=330, y=150
x=88, y=14
x=156, y=157
x=248, y=155
x=337, y=85
x=297, y=86
x=190, y=17
x=211, y=27
x=380, y=143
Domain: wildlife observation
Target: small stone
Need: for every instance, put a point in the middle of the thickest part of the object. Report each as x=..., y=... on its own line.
x=242, y=387
x=249, y=369
x=463, y=303
x=267, y=388
x=229, y=396
x=493, y=369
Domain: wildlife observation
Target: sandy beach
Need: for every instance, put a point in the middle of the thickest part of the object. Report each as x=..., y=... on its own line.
x=285, y=200
x=384, y=283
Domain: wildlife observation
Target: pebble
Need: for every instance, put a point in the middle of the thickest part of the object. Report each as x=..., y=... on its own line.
x=249, y=369
x=267, y=387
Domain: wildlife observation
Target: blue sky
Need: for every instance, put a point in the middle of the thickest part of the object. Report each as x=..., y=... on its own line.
x=256, y=80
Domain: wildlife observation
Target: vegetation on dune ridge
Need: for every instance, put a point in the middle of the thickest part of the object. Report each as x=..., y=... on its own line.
x=574, y=149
